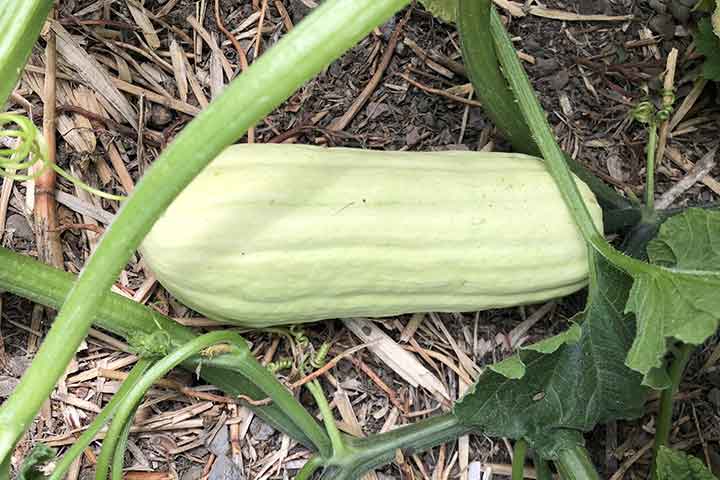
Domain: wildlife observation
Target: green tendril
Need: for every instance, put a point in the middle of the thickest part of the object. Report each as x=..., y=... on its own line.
x=30, y=150
x=668, y=101
x=280, y=365
x=644, y=112
x=299, y=334
x=318, y=360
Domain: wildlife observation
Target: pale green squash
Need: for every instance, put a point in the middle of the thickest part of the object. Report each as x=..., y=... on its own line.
x=276, y=234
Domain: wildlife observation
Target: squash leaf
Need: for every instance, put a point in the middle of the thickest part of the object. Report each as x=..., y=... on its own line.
x=513, y=367
x=445, y=10
x=707, y=41
x=675, y=465
x=571, y=389
x=680, y=299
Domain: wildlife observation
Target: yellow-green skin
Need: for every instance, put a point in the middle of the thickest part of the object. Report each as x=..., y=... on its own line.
x=280, y=234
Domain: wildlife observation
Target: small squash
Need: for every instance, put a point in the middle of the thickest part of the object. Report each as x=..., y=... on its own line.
x=279, y=234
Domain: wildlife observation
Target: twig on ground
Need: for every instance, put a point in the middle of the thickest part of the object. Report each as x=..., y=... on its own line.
x=667, y=103
x=442, y=93
x=342, y=122
x=698, y=172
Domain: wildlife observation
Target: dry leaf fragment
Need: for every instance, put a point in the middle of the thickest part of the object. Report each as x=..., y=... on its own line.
x=93, y=74
x=394, y=356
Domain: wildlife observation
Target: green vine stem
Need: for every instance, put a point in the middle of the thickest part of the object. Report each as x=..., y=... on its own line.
x=31, y=279
x=100, y=420
x=650, y=167
x=20, y=24
x=664, y=418
x=575, y=464
x=48, y=286
x=364, y=454
x=321, y=37
x=113, y=447
x=645, y=113
x=307, y=471
x=118, y=462
x=554, y=158
x=518, y=461
x=284, y=400
x=498, y=100
x=159, y=369
x=488, y=82
x=336, y=440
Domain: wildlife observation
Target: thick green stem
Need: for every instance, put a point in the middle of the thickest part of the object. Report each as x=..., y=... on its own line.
x=43, y=284
x=664, y=418
x=575, y=464
x=650, y=167
x=336, y=439
x=554, y=158
x=307, y=471
x=368, y=453
x=481, y=61
x=518, y=461
x=320, y=38
x=118, y=462
x=283, y=399
x=488, y=82
x=113, y=447
x=20, y=25
x=101, y=419
x=137, y=390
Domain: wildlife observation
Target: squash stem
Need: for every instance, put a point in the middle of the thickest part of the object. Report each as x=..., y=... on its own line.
x=650, y=167
x=664, y=418
x=281, y=396
x=100, y=420
x=371, y=452
x=484, y=71
x=321, y=37
x=118, y=462
x=113, y=448
x=336, y=439
x=20, y=24
x=551, y=152
x=48, y=286
x=137, y=390
x=575, y=464
x=307, y=471
x=518, y=461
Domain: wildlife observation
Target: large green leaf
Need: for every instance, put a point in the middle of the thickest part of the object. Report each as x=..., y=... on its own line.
x=674, y=465
x=690, y=241
x=514, y=367
x=708, y=43
x=572, y=389
x=681, y=300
